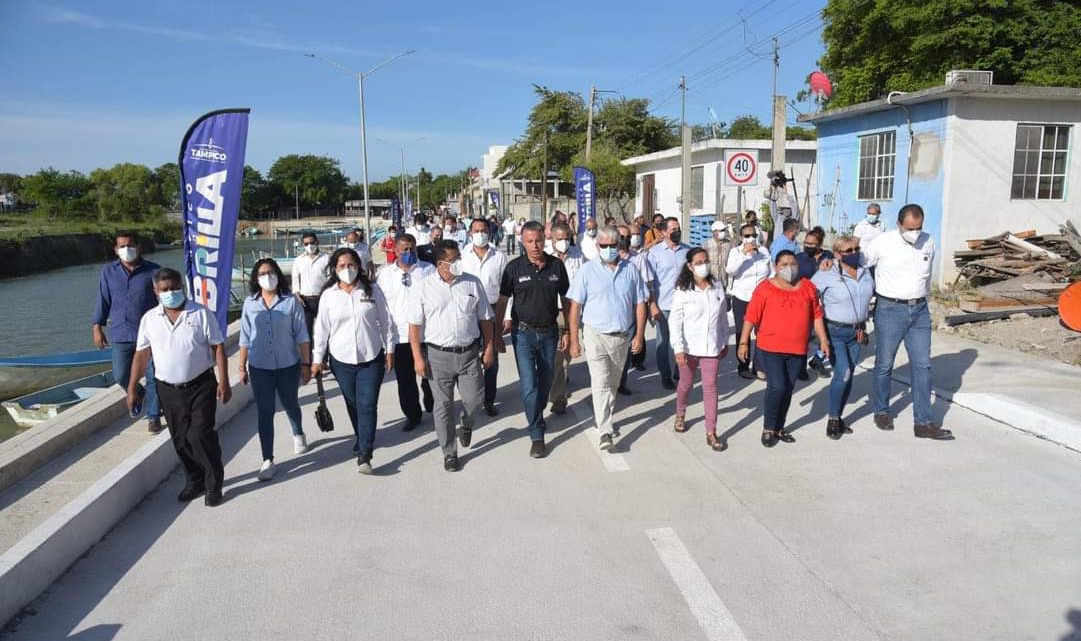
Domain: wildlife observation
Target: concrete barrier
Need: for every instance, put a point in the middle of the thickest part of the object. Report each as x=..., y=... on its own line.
x=36, y=561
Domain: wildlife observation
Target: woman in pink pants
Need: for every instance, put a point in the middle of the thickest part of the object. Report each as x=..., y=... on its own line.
x=699, y=329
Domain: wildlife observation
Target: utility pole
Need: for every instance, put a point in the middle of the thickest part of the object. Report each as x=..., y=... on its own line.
x=296, y=193
x=777, y=153
x=589, y=125
x=544, y=180
x=685, y=164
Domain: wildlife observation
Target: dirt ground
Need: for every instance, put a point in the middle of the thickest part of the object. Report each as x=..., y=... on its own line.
x=1043, y=337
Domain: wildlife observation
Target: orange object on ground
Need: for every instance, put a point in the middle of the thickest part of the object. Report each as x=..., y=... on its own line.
x=1069, y=306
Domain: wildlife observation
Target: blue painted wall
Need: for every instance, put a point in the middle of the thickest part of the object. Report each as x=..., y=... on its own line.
x=838, y=148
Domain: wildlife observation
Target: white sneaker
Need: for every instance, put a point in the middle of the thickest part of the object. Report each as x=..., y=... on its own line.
x=300, y=444
x=266, y=471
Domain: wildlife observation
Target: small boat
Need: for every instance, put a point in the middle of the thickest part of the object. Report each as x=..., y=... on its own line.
x=250, y=231
x=24, y=374
x=37, y=407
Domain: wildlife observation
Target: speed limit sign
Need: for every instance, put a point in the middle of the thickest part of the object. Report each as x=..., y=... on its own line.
x=740, y=167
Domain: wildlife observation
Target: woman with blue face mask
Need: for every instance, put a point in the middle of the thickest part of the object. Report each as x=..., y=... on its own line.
x=845, y=290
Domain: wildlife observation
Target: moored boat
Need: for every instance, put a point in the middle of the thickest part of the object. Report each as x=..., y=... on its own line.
x=24, y=374
x=40, y=406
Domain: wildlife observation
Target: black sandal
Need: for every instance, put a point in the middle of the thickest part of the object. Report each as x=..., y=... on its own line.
x=769, y=438
x=785, y=436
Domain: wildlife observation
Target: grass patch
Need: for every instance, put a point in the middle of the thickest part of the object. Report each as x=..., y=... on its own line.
x=17, y=228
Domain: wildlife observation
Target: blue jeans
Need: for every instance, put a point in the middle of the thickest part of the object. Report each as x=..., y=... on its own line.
x=122, y=357
x=781, y=373
x=844, y=354
x=360, y=386
x=896, y=323
x=265, y=385
x=535, y=355
x=666, y=360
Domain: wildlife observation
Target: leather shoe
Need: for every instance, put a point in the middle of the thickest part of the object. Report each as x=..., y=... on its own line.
x=833, y=428
x=559, y=408
x=450, y=463
x=884, y=422
x=624, y=390
x=668, y=384
x=190, y=492
x=537, y=449
x=490, y=410
x=154, y=425
x=932, y=431
x=845, y=429
x=785, y=437
x=213, y=498
x=411, y=424
x=465, y=436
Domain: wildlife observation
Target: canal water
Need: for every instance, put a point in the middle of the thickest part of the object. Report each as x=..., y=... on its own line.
x=50, y=312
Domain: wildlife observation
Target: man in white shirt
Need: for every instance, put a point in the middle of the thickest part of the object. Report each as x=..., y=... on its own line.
x=870, y=227
x=451, y=231
x=573, y=259
x=487, y=263
x=903, y=261
x=510, y=231
x=309, y=276
x=419, y=231
x=449, y=320
x=398, y=281
x=748, y=265
x=353, y=241
x=186, y=343
x=589, y=241
x=629, y=251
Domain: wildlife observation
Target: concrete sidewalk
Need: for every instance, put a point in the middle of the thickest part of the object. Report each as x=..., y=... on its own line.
x=877, y=536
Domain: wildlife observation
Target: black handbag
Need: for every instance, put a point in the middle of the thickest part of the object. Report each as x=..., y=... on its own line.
x=322, y=414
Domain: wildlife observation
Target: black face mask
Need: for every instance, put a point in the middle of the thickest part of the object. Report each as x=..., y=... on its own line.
x=811, y=251
x=675, y=236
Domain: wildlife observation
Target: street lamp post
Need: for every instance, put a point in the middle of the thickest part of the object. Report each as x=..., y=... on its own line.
x=402, y=182
x=363, y=130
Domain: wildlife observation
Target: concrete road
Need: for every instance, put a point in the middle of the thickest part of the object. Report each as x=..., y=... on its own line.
x=877, y=536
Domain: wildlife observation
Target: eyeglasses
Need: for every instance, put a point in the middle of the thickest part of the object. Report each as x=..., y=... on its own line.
x=751, y=236
x=607, y=245
x=407, y=279
x=850, y=250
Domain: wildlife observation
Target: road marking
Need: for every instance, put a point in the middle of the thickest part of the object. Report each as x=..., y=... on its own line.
x=714, y=618
x=613, y=462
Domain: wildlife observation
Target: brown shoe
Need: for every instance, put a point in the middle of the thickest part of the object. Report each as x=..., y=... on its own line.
x=154, y=426
x=678, y=424
x=884, y=422
x=932, y=431
x=716, y=444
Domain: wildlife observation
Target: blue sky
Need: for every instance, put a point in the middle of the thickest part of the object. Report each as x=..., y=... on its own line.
x=90, y=84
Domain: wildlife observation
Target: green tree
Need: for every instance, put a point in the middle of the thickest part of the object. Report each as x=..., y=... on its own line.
x=318, y=179
x=167, y=180
x=558, y=119
x=877, y=46
x=57, y=194
x=628, y=127
x=10, y=183
x=257, y=196
x=748, y=128
x=127, y=191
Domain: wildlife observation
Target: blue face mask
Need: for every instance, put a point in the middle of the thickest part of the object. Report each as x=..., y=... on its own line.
x=609, y=254
x=172, y=299
x=408, y=258
x=853, y=259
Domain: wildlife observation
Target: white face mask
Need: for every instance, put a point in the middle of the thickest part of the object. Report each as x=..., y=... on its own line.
x=911, y=235
x=636, y=241
x=347, y=275
x=127, y=254
x=789, y=273
x=700, y=271
x=456, y=268
x=269, y=282
x=311, y=249
x=591, y=232
x=480, y=239
x=872, y=218
x=447, y=228
x=561, y=246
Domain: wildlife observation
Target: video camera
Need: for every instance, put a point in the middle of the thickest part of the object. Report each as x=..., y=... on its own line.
x=777, y=178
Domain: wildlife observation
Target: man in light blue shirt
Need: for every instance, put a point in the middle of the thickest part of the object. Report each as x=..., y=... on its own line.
x=609, y=297
x=787, y=239
x=666, y=258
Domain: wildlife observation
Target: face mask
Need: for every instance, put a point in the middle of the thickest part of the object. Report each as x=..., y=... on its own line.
x=609, y=254
x=852, y=260
x=561, y=246
x=675, y=237
x=311, y=249
x=788, y=273
x=591, y=232
x=480, y=239
x=911, y=235
x=446, y=228
x=172, y=299
x=700, y=271
x=872, y=218
x=811, y=251
x=636, y=241
x=393, y=235
x=127, y=254
x=456, y=268
x=348, y=275
x=719, y=235
x=748, y=240
x=269, y=282
x=408, y=258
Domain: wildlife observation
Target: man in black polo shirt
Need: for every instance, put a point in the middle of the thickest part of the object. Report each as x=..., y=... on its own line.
x=537, y=281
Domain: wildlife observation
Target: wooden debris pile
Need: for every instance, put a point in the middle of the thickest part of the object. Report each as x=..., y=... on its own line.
x=1021, y=273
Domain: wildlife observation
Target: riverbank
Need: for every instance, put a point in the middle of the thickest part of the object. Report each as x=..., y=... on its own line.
x=32, y=246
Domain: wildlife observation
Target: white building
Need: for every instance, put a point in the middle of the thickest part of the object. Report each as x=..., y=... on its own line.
x=658, y=177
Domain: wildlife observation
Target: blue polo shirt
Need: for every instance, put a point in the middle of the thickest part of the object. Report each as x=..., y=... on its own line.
x=123, y=298
x=273, y=333
x=608, y=296
x=808, y=266
x=666, y=262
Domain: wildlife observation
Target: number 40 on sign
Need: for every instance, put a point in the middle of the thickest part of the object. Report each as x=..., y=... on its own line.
x=740, y=167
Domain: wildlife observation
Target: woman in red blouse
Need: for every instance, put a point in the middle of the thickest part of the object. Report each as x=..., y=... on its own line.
x=783, y=309
x=389, y=246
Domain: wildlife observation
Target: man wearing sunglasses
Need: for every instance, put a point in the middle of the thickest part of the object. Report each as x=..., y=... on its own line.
x=398, y=280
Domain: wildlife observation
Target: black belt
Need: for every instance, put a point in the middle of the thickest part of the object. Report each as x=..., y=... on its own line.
x=903, y=301
x=192, y=383
x=536, y=328
x=453, y=350
x=623, y=333
x=846, y=325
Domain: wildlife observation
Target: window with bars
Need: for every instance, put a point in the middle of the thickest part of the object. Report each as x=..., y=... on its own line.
x=1039, y=162
x=878, y=157
x=698, y=187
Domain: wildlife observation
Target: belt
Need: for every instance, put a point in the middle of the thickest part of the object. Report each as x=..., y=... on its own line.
x=903, y=301
x=453, y=350
x=846, y=325
x=192, y=383
x=622, y=334
x=535, y=328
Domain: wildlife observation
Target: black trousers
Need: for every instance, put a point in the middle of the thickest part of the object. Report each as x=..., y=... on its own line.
x=491, y=375
x=739, y=310
x=408, y=398
x=190, y=412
